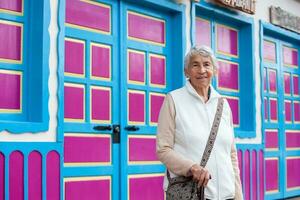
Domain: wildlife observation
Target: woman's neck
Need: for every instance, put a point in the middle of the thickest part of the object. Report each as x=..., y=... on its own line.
x=204, y=92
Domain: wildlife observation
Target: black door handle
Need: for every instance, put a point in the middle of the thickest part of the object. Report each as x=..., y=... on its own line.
x=103, y=128
x=132, y=128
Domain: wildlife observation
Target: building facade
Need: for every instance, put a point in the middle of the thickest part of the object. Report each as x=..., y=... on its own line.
x=82, y=83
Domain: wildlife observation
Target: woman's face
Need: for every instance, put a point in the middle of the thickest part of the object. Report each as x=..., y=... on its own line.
x=200, y=71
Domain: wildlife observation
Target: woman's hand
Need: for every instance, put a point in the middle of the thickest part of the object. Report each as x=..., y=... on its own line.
x=200, y=175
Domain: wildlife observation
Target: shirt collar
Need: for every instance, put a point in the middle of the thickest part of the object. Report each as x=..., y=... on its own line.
x=213, y=93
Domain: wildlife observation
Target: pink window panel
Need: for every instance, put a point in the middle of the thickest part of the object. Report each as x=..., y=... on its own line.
x=254, y=169
x=288, y=111
x=157, y=70
x=136, y=107
x=227, y=40
x=140, y=183
x=12, y=5
x=265, y=79
x=95, y=188
x=74, y=102
x=11, y=91
x=272, y=174
x=297, y=111
x=247, y=174
x=88, y=15
x=53, y=176
x=35, y=176
x=16, y=176
x=203, y=32
x=287, y=83
x=266, y=108
x=293, y=139
x=296, y=85
x=87, y=149
x=101, y=61
x=234, y=105
x=228, y=76
x=74, y=56
x=2, y=176
x=142, y=149
x=11, y=41
x=273, y=109
x=273, y=81
x=271, y=139
x=292, y=172
x=269, y=51
x=146, y=28
x=101, y=104
x=290, y=56
x=136, y=67
x=261, y=174
x=156, y=101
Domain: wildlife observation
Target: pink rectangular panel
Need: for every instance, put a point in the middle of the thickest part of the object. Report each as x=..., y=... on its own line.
x=296, y=85
x=74, y=102
x=292, y=172
x=142, y=149
x=138, y=184
x=228, y=76
x=272, y=174
x=74, y=56
x=241, y=164
x=146, y=28
x=11, y=5
x=101, y=61
x=16, y=176
x=293, y=139
x=290, y=56
x=234, y=105
x=90, y=15
x=136, y=66
x=35, y=176
x=287, y=83
x=265, y=79
x=87, y=149
x=157, y=70
x=227, y=40
x=269, y=51
x=288, y=111
x=266, y=108
x=203, y=32
x=2, y=175
x=11, y=89
x=88, y=189
x=136, y=110
x=254, y=175
x=101, y=104
x=156, y=103
x=11, y=41
x=273, y=109
x=272, y=81
x=261, y=174
x=53, y=176
x=297, y=111
x=247, y=174
x=271, y=139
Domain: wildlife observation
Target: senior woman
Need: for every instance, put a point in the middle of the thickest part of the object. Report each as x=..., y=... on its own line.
x=184, y=126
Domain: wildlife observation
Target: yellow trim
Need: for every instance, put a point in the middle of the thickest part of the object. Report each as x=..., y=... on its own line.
x=110, y=102
x=292, y=188
x=2, y=10
x=21, y=45
x=136, y=92
x=237, y=98
x=144, y=40
x=271, y=191
x=271, y=158
x=238, y=70
x=91, y=64
x=149, y=109
x=86, y=164
x=272, y=149
x=131, y=81
x=269, y=60
x=149, y=68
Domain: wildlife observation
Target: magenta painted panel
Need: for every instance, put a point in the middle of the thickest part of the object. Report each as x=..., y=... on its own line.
x=93, y=16
x=287, y=83
x=271, y=138
x=11, y=5
x=11, y=41
x=293, y=175
x=296, y=85
x=272, y=175
x=273, y=109
x=269, y=51
x=156, y=103
x=87, y=149
x=254, y=175
x=138, y=184
x=136, y=65
x=158, y=70
x=288, y=111
x=297, y=111
x=142, y=149
x=34, y=176
x=74, y=102
x=227, y=40
x=136, y=107
x=101, y=61
x=53, y=176
x=74, y=57
x=2, y=174
x=145, y=28
x=247, y=174
x=203, y=32
x=10, y=87
x=234, y=105
x=88, y=189
x=241, y=164
x=272, y=81
x=290, y=56
x=265, y=79
x=100, y=104
x=292, y=139
x=16, y=176
x=266, y=108
x=228, y=75
x=261, y=174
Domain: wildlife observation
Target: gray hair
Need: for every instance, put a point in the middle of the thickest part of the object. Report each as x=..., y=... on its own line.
x=204, y=51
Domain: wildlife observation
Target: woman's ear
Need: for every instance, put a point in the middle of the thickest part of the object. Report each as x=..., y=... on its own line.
x=186, y=73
